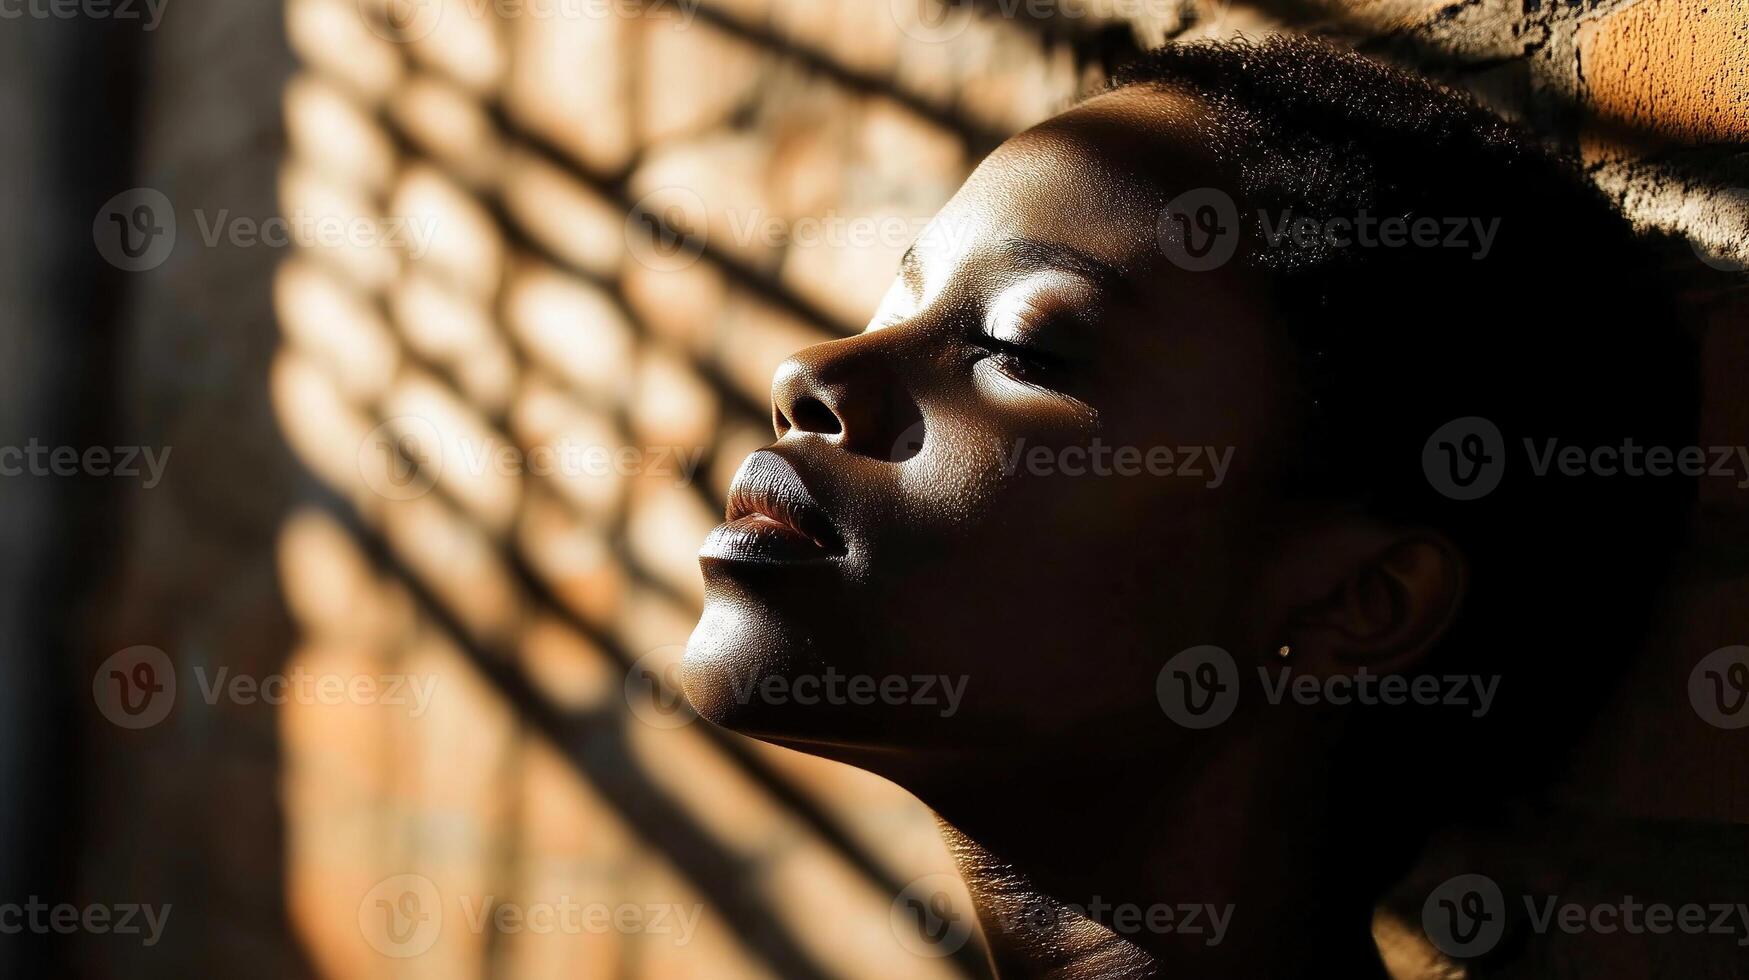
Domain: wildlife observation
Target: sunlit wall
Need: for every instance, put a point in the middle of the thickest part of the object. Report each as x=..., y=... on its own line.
x=549, y=253
x=525, y=388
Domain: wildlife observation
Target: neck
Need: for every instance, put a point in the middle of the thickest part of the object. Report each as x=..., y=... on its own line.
x=1133, y=872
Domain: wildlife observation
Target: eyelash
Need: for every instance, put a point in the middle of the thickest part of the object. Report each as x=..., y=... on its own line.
x=1022, y=361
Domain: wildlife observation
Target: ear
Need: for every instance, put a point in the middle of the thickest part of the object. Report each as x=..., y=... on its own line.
x=1385, y=601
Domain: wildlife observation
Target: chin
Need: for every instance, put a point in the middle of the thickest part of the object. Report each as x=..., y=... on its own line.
x=720, y=663
x=736, y=647
x=739, y=648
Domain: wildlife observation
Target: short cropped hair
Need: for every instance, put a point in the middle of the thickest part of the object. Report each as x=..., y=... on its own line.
x=1562, y=330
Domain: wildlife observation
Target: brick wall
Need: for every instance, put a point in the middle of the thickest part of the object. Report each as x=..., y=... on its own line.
x=549, y=156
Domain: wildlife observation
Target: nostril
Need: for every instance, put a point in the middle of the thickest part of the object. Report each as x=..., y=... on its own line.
x=811, y=415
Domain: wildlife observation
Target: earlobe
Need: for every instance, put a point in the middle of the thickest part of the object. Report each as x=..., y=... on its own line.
x=1387, y=611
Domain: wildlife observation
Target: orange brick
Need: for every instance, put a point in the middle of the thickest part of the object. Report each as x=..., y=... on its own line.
x=755, y=339
x=692, y=79
x=564, y=214
x=1384, y=15
x=450, y=126
x=573, y=328
x=680, y=305
x=1672, y=67
x=570, y=80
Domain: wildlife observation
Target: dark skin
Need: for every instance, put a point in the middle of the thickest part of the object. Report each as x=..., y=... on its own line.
x=1038, y=311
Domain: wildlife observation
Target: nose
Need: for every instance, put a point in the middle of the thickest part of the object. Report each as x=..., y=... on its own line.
x=847, y=391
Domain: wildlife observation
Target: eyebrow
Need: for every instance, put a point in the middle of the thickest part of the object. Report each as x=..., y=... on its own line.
x=911, y=270
x=1032, y=254
x=1028, y=253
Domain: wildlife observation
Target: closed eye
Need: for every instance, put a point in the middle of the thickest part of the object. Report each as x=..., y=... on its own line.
x=1024, y=362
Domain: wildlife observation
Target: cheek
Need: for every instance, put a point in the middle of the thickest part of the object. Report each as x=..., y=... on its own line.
x=977, y=447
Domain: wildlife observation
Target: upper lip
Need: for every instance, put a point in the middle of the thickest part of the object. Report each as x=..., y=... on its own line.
x=768, y=484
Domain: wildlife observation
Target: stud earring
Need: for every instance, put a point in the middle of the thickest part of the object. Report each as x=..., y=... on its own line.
x=1284, y=651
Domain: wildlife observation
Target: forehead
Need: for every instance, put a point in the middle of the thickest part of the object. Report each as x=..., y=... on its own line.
x=1093, y=178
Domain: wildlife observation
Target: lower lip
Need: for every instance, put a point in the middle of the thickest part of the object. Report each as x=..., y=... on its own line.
x=757, y=538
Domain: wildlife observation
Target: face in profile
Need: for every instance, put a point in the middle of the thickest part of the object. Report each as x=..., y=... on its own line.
x=1060, y=456
x=1040, y=470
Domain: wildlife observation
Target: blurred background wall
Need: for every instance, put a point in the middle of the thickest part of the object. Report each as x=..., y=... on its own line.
x=454, y=431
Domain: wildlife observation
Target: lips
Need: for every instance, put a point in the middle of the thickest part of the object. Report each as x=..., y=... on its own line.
x=772, y=517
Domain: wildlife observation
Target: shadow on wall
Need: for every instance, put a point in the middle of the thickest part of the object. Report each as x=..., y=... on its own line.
x=547, y=265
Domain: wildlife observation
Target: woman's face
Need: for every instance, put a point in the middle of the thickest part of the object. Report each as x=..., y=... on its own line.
x=1041, y=471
